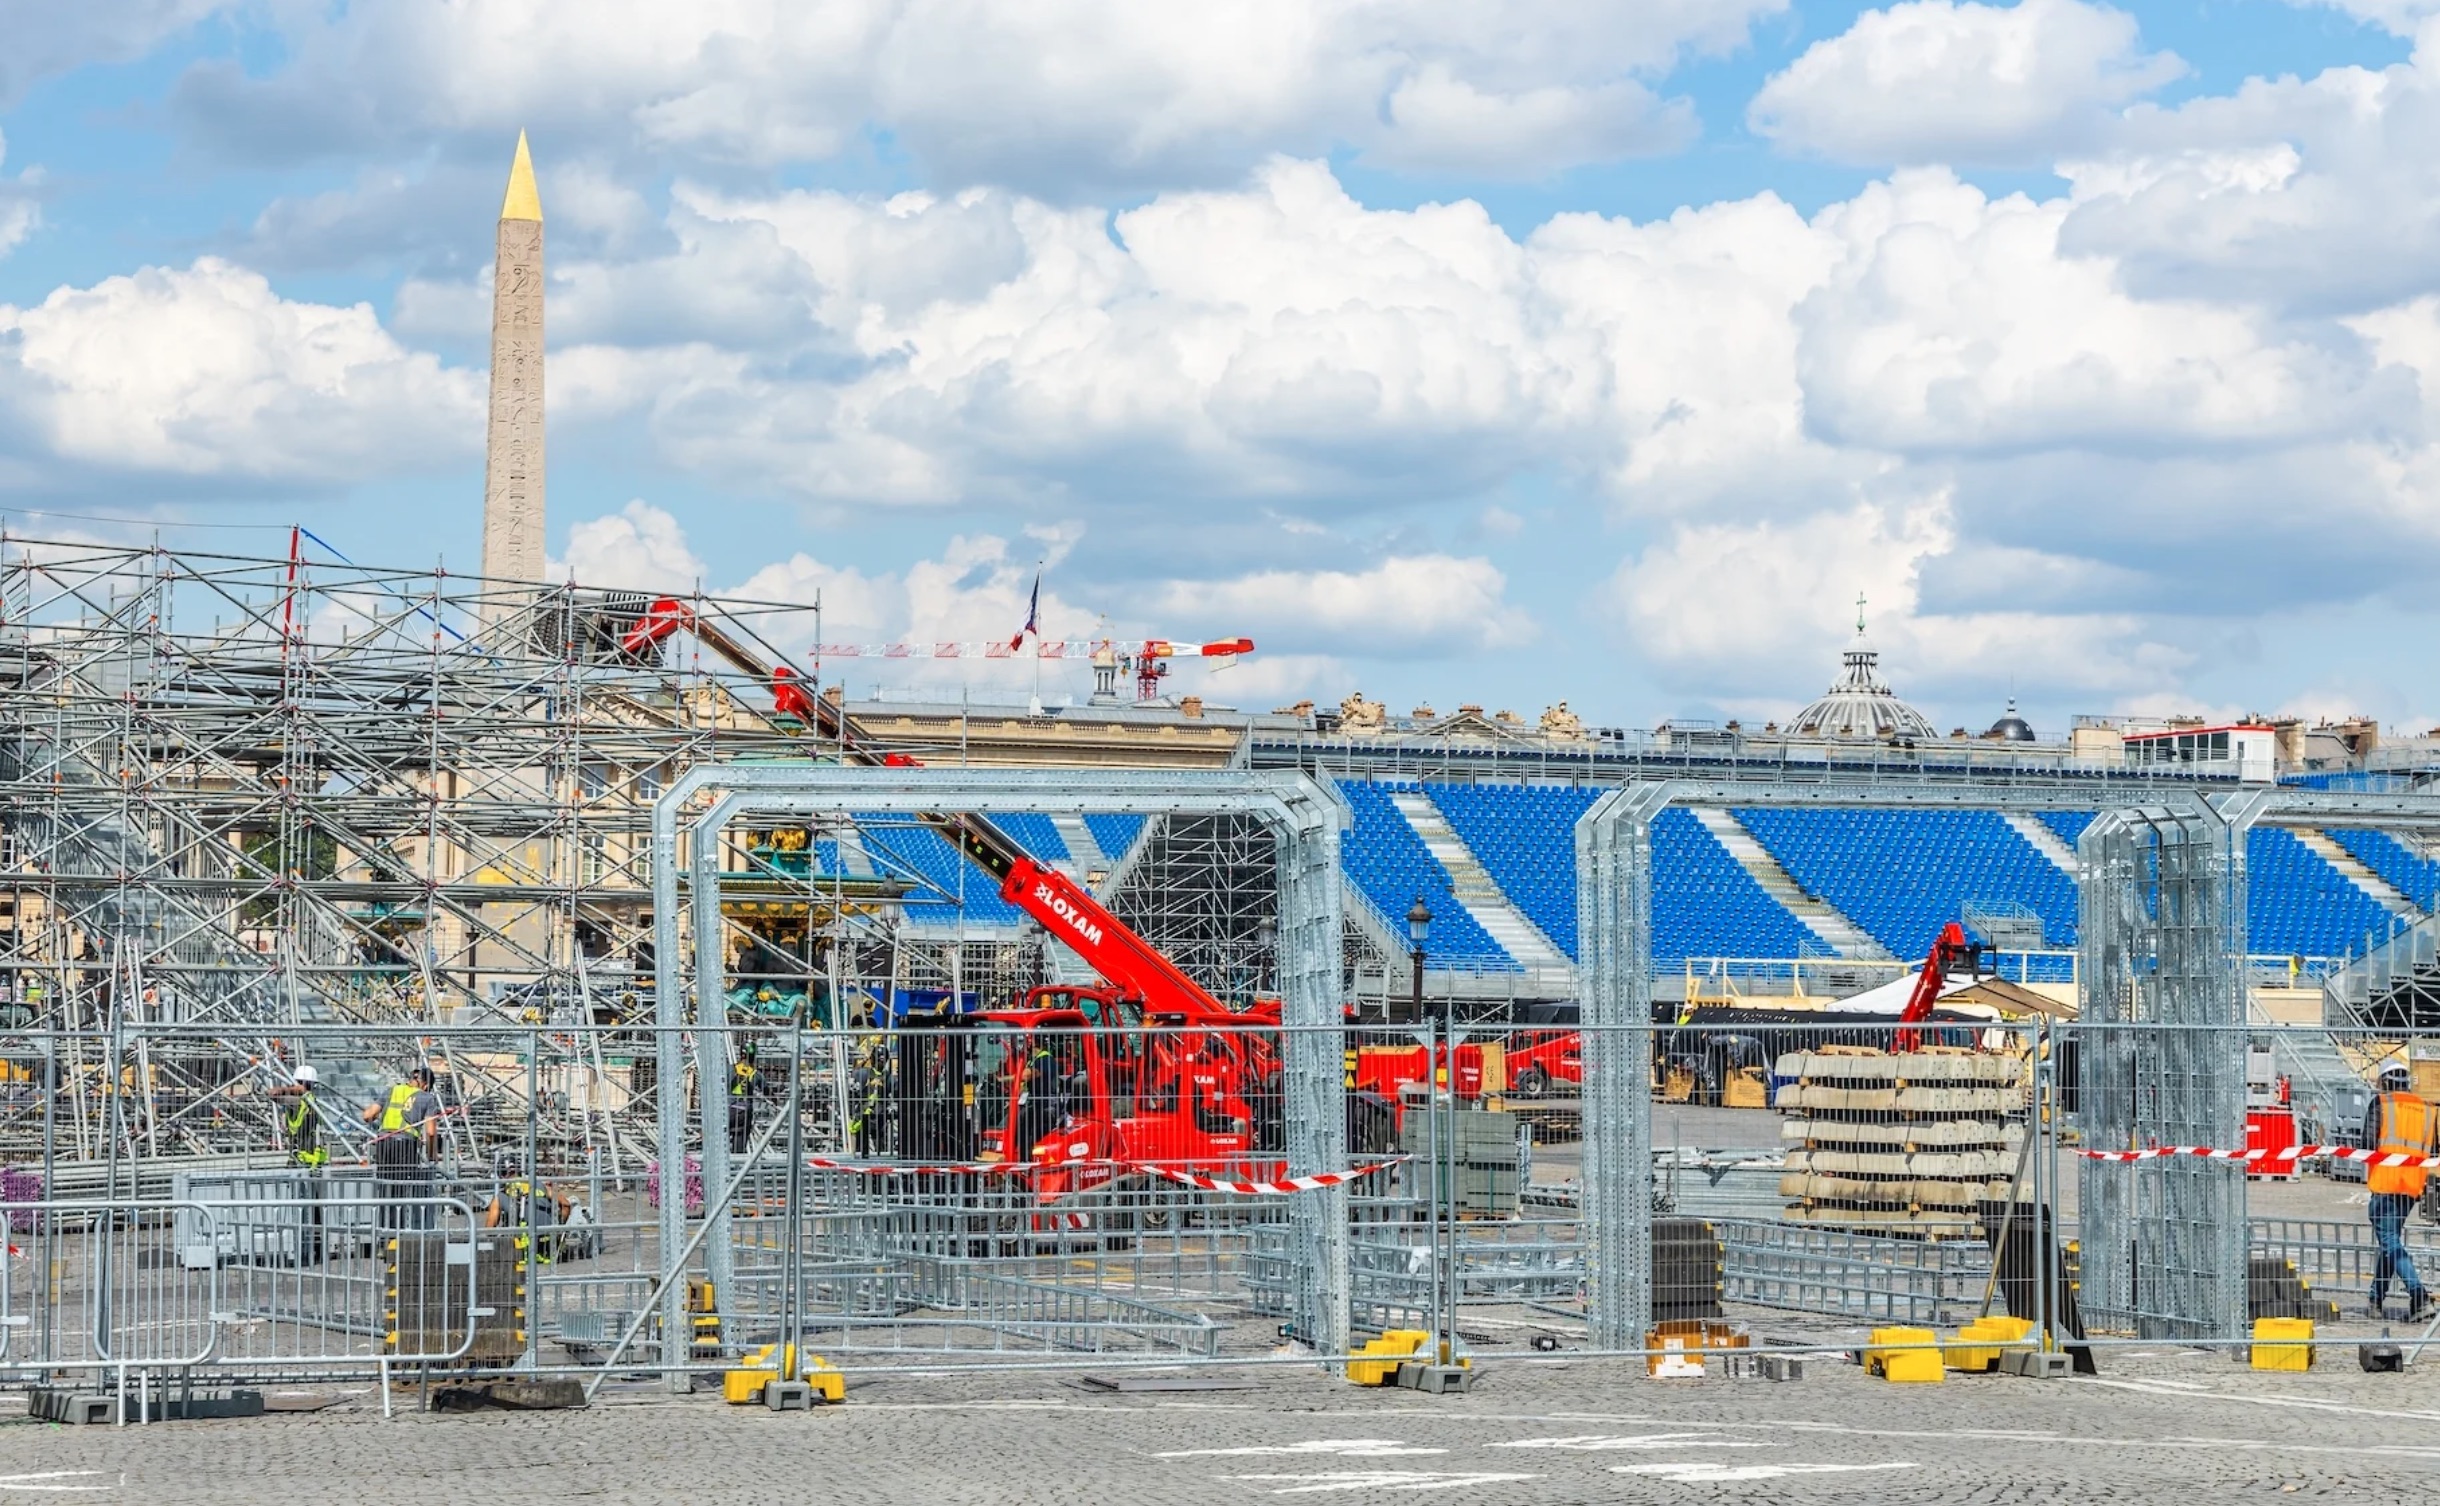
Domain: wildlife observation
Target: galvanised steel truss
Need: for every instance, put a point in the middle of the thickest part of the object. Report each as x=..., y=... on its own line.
x=2178, y=964
x=244, y=792
x=2161, y=1026
x=1303, y=818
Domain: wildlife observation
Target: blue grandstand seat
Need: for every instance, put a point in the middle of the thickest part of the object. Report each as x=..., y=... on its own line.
x=2068, y=824
x=1704, y=903
x=1525, y=837
x=1391, y=867
x=2415, y=877
x=1036, y=835
x=1115, y=831
x=1903, y=874
x=2297, y=904
x=901, y=849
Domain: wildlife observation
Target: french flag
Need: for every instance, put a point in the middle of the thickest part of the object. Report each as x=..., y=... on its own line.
x=1033, y=616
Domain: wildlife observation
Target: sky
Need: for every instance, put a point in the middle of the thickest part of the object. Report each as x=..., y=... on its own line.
x=1454, y=351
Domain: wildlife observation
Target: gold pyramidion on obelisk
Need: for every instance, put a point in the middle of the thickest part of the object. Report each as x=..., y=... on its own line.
x=512, y=476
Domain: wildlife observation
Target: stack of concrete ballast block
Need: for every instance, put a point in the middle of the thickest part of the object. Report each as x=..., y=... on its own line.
x=1899, y=1142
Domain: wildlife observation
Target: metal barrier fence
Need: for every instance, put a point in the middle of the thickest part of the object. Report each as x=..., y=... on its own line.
x=1009, y=1192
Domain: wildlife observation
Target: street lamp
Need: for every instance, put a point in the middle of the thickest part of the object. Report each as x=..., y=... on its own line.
x=1418, y=931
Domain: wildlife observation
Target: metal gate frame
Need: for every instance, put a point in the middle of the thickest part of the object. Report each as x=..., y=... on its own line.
x=1305, y=815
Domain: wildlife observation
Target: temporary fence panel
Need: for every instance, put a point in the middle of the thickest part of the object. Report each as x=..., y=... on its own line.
x=254, y=1285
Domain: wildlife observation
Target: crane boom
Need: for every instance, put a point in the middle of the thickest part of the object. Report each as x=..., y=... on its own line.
x=1949, y=949
x=1063, y=907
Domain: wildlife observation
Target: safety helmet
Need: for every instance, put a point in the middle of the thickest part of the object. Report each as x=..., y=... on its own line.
x=2395, y=1076
x=308, y=1077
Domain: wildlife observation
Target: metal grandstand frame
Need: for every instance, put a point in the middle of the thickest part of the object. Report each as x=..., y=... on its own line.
x=249, y=791
x=1302, y=815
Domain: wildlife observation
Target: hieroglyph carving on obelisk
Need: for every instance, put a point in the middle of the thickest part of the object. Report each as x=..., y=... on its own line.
x=512, y=477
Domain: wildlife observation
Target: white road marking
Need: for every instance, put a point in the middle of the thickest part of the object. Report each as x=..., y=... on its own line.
x=1345, y=1448
x=1385, y=1479
x=1704, y=1472
x=2190, y=1391
x=56, y=1479
x=1594, y=1442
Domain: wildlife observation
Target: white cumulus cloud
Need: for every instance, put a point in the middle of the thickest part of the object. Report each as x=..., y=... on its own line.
x=39, y=38
x=1053, y=95
x=206, y=372
x=1744, y=612
x=640, y=547
x=1409, y=604
x=1963, y=83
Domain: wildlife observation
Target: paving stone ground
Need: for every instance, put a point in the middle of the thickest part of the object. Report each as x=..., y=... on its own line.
x=2168, y=1427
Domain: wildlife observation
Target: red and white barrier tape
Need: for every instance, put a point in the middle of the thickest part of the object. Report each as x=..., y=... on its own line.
x=1312, y=1183
x=2284, y=1157
x=884, y=1169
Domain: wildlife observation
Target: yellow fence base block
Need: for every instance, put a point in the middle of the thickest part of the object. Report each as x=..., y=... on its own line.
x=2283, y=1344
x=1893, y=1355
x=1979, y=1343
x=1394, y=1345
x=827, y=1383
x=743, y=1386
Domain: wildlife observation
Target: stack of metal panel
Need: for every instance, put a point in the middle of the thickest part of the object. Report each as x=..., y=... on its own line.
x=456, y=1299
x=1899, y=1142
x=1482, y=1147
x=1687, y=1272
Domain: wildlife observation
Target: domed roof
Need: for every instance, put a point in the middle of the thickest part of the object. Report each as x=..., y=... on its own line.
x=2012, y=728
x=1860, y=705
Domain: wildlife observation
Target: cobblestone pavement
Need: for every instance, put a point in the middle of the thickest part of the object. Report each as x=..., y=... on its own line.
x=2170, y=1427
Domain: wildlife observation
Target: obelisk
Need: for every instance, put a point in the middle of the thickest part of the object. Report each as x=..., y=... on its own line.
x=512, y=475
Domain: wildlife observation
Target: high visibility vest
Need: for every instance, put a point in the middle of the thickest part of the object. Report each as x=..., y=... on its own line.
x=741, y=1080
x=394, y=1113
x=305, y=1134
x=2406, y=1130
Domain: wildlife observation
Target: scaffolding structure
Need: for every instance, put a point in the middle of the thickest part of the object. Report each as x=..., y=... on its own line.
x=244, y=793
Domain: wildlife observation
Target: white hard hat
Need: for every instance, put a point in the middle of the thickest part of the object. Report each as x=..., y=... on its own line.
x=2396, y=1072
x=309, y=1076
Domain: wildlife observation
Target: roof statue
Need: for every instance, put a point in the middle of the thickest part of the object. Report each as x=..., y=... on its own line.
x=1358, y=716
x=1560, y=723
x=1860, y=705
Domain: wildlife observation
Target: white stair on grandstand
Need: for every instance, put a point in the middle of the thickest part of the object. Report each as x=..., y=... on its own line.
x=2352, y=869
x=1474, y=888
x=1842, y=935
x=1088, y=858
x=857, y=862
x=2043, y=840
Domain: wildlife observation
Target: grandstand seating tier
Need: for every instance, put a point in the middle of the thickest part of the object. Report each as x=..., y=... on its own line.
x=1114, y=831
x=2417, y=878
x=1392, y=868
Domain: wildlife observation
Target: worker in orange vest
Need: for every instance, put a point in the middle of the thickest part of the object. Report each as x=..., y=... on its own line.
x=2397, y=1124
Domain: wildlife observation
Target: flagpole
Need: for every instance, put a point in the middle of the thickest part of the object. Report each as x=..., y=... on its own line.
x=1033, y=620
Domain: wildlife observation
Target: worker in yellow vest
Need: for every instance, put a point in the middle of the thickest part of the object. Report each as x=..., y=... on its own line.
x=2398, y=1123
x=406, y=1133
x=301, y=1126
